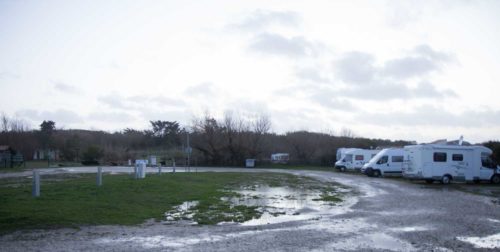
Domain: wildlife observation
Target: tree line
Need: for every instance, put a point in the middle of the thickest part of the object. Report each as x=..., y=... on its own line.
x=222, y=142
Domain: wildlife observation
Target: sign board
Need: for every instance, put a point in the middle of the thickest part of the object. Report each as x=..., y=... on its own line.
x=250, y=163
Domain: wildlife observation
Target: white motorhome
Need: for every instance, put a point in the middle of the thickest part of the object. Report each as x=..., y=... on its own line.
x=388, y=162
x=353, y=158
x=444, y=163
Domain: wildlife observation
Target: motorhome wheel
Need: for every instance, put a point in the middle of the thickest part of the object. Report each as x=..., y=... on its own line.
x=376, y=173
x=342, y=169
x=446, y=179
x=495, y=179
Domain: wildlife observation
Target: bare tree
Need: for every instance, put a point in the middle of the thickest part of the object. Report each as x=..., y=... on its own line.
x=261, y=126
x=4, y=120
x=346, y=132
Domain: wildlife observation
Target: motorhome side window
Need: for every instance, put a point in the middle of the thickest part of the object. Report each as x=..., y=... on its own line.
x=397, y=159
x=383, y=160
x=457, y=157
x=359, y=157
x=439, y=156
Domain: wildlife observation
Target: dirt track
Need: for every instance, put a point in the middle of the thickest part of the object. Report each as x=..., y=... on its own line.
x=388, y=215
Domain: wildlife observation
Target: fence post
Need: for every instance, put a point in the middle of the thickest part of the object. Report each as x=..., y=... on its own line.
x=35, y=192
x=99, y=176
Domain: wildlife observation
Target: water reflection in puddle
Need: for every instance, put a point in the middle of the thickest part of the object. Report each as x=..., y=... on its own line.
x=277, y=204
x=282, y=204
x=489, y=242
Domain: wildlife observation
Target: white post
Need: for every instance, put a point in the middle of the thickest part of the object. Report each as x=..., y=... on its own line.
x=143, y=170
x=99, y=176
x=36, y=184
x=136, y=170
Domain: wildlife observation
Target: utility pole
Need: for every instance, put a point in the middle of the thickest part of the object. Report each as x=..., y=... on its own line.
x=188, y=150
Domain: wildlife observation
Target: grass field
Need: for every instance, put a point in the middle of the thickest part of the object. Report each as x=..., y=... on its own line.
x=75, y=200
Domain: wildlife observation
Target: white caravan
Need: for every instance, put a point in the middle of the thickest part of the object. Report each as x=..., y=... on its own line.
x=437, y=162
x=388, y=162
x=354, y=159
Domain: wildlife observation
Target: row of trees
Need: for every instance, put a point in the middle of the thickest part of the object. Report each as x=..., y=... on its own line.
x=228, y=141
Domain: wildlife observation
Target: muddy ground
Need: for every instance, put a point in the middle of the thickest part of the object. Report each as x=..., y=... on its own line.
x=384, y=215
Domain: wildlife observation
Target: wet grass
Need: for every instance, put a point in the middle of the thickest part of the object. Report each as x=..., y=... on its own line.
x=73, y=200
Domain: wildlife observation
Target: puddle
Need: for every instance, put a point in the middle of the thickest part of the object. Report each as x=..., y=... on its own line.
x=282, y=204
x=181, y=212
x=488, y=242
x=275, y=205
x=410, y=229
x=373, y=241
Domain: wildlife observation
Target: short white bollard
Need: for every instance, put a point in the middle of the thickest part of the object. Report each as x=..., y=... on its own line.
x=136, y=171
x=143, y=170
x=99, y=176
x=36, y=184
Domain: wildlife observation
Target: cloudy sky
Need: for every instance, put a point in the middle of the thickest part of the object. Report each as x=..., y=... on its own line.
x=415, y=70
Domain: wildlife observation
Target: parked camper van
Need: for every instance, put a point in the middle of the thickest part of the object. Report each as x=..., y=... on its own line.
x=388, y=162
x=354, y=159
x=444, y=163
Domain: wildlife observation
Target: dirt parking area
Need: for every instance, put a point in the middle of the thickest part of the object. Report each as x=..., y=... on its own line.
x=380, y=215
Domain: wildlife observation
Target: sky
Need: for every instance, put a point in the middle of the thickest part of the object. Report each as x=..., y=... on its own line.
x=412, y=70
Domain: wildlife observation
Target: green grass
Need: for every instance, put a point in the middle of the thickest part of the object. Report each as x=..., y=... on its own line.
x=75, y=200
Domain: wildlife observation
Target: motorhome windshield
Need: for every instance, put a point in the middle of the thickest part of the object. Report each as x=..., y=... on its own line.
x=383, y=160
x=487, y=162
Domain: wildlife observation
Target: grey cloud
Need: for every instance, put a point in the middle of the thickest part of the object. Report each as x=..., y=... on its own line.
x=9, y=75
x=378, y=83
x=391, y=91
x=275, y=44
x=158, y=99
x=408, y=67
x=65, y=88
x=60, y=116
x=434, y=116
x=328, y=100
x=426, y=89
x=310, y=74
x=427, y=51
x=424, y=61
x=260, y=19
x=249, y=107
x=114, y=101
x=356, y=68
x=202, y=89
x=170, y=115
x=138, y=101
x=111, y=116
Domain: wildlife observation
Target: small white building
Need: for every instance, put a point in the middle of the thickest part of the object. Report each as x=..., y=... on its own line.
x=42, y=154
x=280, y=158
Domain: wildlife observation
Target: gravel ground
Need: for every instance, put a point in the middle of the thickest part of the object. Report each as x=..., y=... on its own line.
x=386, y=215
